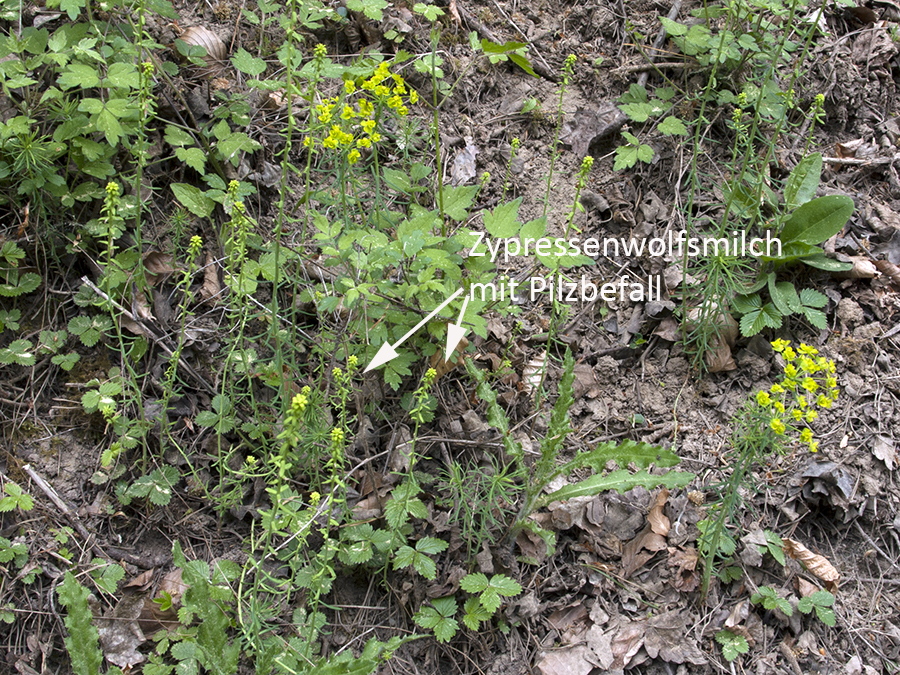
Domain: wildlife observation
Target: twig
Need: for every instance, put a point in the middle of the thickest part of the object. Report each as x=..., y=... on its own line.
x=658, y=42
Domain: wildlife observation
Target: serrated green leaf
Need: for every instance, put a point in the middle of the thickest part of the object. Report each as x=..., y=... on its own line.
x=732, y=645
x=812, y=298
x=637, y=112
x=503, y=221
x=193, y=157
x=248, y=64
x=816, y=317
x=785, y=297
x=82, y=642
x=744, y=304
x=626, y=157
x=474, y=583
x=431, y=545
x=425, y=566
x=672, y=126
x=193, y=199
x=505, y=586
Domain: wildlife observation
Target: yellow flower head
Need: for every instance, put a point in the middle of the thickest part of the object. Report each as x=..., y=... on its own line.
x=763, y=398
x=353, y=156
x=806, y=435
x=779, y=345
x=349, y=86
x=777, y=425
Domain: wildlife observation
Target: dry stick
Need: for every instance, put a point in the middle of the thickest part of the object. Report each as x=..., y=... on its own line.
x=658, y=42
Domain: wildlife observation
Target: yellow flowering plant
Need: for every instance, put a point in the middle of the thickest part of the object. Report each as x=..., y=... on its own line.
x=768, y=421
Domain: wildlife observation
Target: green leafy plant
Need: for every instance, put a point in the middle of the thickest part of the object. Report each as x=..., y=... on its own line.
x=547, y=467
x=16, y=498
x=765, y=423
x=83, y=639
x=733, y=645
x=769, y=599
x=821, y=602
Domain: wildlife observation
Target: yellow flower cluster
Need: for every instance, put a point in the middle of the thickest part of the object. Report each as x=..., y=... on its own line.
x=353, y=126
x=809, y=382
x=300, y=401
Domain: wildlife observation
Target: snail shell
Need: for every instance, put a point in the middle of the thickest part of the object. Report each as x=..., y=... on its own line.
x=200, y=36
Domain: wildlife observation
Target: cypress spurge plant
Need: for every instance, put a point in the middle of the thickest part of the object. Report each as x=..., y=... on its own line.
x=766, y=423
x=535, y=478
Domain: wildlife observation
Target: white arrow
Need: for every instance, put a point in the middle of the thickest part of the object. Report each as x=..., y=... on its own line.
x=455, y=331
x=387, y=351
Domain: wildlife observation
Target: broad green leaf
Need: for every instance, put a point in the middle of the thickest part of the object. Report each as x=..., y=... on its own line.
x=673, y=27
x=801, y=185
x=371, y=8
x=79, y=75
x=822, y=262
x=178, y=137
x=534, y=229
x=193, y=199
x=248, y=64
x=457, y=201
x=523, y=63
x=817, y=220
x=672, y=126
x=503, y=221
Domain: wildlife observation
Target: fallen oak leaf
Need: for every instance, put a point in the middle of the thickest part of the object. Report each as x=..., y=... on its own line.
x=815, y=563
x=659, y=522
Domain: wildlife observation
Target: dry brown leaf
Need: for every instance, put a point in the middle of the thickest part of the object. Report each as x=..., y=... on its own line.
x=666, y=637
x=883, y=449
x=463, y=169
x=173, y=585
x=142, y=580
x=738, y=614
x=685, y=563
x=443, y=367
x=120, y=633
x=566, y=661
x=658, y=520
x=815, y=563
x=587, y=126
x=211, y=287
x=890, y=270
x=627, y=642
x=157, y=266
x=534, y=372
